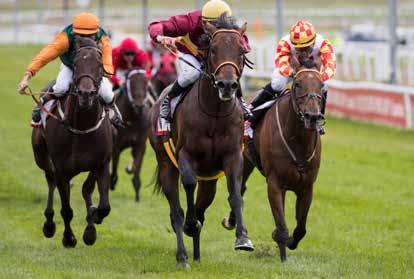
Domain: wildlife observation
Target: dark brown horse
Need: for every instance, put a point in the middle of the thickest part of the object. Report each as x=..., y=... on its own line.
x=289, y=146
x=132, y=105
x=207, y=132
x=83, y=144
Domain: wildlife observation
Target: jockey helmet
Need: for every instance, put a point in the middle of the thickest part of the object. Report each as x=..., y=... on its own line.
x=213, y=9
x=302, y=34
x=85, y=24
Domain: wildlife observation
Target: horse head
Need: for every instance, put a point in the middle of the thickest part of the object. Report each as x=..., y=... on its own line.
x=307, y=94
x=136, y=88
x=226, y=55
x=87, y=71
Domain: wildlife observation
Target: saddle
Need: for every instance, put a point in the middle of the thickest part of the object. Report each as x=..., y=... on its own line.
x=163, y=126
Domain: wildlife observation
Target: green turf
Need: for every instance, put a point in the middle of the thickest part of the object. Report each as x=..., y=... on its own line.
x=360, y=224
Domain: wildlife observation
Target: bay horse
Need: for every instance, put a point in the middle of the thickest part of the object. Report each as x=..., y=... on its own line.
x=208, y=133
x=82, y=144
x=135, y=115
x=165, y=74
x=289, y=147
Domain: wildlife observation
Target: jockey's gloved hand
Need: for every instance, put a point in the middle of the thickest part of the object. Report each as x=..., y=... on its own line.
x=169, y=41
x=21, y=87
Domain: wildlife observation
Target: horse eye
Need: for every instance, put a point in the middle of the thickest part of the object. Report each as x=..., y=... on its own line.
x=213, y=51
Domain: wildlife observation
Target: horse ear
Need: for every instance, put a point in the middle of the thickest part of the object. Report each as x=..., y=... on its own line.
x=78, y=41
x=295, y=63
x=243, y=29
x=318, y=63
x=209, y=28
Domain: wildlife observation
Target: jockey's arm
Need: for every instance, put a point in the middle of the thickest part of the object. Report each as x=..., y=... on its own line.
x=328, y=60
x=283, y=58
x=57, y=47
x=107, y=56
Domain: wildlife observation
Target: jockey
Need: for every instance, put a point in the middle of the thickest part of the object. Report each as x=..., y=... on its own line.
x=63, y=45
x=190, y=28
x=126, y=56
x=305, y=44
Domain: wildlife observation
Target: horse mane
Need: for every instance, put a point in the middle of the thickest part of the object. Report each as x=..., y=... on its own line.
x=226, y=22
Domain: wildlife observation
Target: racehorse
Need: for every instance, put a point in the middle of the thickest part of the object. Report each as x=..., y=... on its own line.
x=289, y=146
x=165, y=74
x=207, y=132
x=135, y=114
x=83, y=142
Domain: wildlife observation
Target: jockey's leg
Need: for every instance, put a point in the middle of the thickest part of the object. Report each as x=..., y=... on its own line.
x=187, y=77
x=60, y=88
x=321, y=128
x=270, y=91
x=107, y=95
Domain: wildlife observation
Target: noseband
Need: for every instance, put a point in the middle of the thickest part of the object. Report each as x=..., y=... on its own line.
x=296, y=107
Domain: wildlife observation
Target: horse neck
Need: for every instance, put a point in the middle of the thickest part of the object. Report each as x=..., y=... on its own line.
x=209, y=99
x=83, y=118
x=299, y=139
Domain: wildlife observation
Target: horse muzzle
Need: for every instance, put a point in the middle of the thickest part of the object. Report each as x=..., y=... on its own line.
x=227, y=89
x=313, y=120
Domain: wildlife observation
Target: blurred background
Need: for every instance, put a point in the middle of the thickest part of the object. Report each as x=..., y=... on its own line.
x=361, y=31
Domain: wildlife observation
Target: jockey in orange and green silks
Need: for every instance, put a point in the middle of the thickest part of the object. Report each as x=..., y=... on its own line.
x=63, y=45
x=304, y=44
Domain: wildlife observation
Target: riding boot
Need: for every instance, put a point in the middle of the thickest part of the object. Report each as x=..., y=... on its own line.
x=37, y=111
x=263, y=96
x=165, y=108
x=116, y=120
x=321, y=129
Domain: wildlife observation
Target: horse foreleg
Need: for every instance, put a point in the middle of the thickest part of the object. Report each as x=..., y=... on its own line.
x=205, y=196
x=138, y=152
x=103, y=179
x=233, y=169
x=169, y=182
x=192, y=226
x=89, y=235
x=114, y=170
x=303, y=203
x=229, y=222
x=275, y=195
x=49, y=227
x=69, y=239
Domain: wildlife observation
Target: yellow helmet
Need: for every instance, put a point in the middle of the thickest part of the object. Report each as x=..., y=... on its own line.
x=302, y=34
x=85, y=24
x=213, y=9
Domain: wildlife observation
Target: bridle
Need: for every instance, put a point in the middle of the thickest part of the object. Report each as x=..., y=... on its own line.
x=96, y=82
x=309, y=95
x=128, y=87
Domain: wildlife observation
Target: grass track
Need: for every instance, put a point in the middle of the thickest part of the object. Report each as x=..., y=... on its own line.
x=360, y=224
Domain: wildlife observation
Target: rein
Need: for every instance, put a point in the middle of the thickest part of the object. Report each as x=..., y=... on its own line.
x=300, y=164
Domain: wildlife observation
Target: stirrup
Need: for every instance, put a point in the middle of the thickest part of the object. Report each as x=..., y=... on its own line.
x=36, y=115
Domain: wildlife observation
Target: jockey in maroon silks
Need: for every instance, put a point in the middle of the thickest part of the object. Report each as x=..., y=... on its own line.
x=185, y=32
x=125, y=57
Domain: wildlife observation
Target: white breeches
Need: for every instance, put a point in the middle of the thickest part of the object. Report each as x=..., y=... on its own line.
x=64, y=79
x=187, y=74
x=279, y=81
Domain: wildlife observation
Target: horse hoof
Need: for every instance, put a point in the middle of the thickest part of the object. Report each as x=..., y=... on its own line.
x=137, y=198
x=193, y=229
x=49, y=229
x=89, y=236
x=114, y=180
x=244, y=243
x=291, y=243
x=183, y=265
x=129, y=169
x=227, y=224
x=69, y=242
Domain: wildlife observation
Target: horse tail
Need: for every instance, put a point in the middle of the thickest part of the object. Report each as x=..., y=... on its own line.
x=156, y=181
